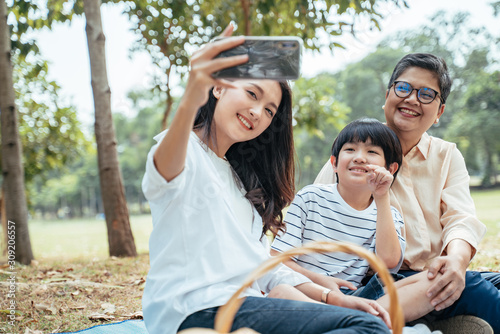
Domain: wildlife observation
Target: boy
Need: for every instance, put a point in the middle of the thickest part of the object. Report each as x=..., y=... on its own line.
x=366, y=157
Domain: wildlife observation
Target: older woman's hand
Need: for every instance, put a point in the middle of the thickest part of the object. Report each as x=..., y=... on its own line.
x=448, y=288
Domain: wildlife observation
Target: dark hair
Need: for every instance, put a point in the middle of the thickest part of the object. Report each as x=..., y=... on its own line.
x=265, y=165
x=380, y=135
x=427, y=61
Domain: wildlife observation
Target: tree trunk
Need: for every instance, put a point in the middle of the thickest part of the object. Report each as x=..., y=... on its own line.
x=120, y=238
x=169, y=101
x=488, y=168
x=16, y=208
x=247, y=26
x=168, y=109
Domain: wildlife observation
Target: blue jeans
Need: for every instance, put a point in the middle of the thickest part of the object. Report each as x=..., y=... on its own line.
x=373, y=289
x=492, y=277
x=271, y=315
x=480, y=298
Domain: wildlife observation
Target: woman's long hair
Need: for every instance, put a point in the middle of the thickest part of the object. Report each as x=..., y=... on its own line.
x=265, y=165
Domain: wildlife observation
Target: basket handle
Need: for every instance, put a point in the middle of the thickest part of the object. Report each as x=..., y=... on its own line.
x=226, y=313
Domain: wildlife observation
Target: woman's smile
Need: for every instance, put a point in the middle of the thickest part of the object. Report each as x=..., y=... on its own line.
x=408, y=112
x=245, y=121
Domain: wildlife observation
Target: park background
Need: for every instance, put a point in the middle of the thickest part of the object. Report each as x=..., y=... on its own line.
x=344, y=77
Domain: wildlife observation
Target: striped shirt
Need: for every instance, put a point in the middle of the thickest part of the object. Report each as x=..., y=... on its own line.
x=319, y=213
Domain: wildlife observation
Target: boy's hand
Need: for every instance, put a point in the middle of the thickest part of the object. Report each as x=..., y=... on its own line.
x=379, y=179
x=334, y=283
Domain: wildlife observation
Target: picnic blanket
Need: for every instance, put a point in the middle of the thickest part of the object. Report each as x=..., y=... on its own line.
x=123, y=327
x=138, y=327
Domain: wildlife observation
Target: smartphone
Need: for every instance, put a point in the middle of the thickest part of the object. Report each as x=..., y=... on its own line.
x=269, y=57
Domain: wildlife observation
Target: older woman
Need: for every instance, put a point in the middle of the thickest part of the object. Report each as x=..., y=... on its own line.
x=432, y=193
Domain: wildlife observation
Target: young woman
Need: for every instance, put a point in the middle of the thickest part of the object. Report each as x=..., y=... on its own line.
x=216, y=182
x=432, y=193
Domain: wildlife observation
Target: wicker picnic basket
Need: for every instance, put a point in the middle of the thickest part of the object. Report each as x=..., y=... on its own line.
x=226, y=313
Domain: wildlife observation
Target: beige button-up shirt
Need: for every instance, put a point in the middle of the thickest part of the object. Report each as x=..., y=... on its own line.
x=431, y=191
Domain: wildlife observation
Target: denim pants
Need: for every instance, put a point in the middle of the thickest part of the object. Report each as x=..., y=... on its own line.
x=272, y=315
x=492, y=277
x=480, y=298
x=373, y=287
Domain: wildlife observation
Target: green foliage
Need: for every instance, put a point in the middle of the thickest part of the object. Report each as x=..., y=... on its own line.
x=50, y=132
x=135, y=138
x=477, y=125
x=79, y=192
x=315, y=106
x=30, y=15
x=471, y=118
x=318, y=116
x=47, y=129
x=362, y=85
x=170, y=29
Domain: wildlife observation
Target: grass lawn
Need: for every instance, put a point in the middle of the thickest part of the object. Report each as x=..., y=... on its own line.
x=82, y=238
x=488, y=211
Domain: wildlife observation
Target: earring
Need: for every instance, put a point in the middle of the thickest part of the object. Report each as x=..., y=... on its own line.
x=437, y=121
x=383, y=107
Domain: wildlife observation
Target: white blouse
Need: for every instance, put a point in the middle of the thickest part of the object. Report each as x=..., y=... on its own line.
x=200, y=253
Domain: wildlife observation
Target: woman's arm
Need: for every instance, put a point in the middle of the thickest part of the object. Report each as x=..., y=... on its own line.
x=170, y=156
x=323, y=280
x=316, y=292
x=462, y=231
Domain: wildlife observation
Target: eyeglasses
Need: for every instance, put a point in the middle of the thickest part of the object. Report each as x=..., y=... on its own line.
x=425, y=95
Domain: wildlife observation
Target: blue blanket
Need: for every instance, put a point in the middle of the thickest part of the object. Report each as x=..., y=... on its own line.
x=124, y=327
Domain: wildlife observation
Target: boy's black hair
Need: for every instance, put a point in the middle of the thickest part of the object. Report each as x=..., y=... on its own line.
x=380, y=135
x=427, y=61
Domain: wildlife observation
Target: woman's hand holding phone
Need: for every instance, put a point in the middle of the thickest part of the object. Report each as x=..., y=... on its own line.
x=204, y=63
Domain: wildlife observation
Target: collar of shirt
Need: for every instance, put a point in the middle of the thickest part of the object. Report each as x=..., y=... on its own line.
x=423, y=146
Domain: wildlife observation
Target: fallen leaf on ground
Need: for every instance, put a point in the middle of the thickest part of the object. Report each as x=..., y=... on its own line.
x=108, y=308
x=16, y=312
x=44, y=307
x=40, y=290
x=101, y=317
x=135, y=315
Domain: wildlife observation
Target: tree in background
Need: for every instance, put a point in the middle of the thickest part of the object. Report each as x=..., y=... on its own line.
x=476, y=127
x=318, y=117
x=471, y=53
x=16, y=210
x=120, y=238
x=362, y=85
x=168, y=28
x=46, y=128
x=135, y=138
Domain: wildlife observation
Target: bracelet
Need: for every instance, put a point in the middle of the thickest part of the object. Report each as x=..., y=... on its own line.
x=324, y=295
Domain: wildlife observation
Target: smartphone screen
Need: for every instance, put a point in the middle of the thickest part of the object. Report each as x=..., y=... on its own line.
x=275, y=58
